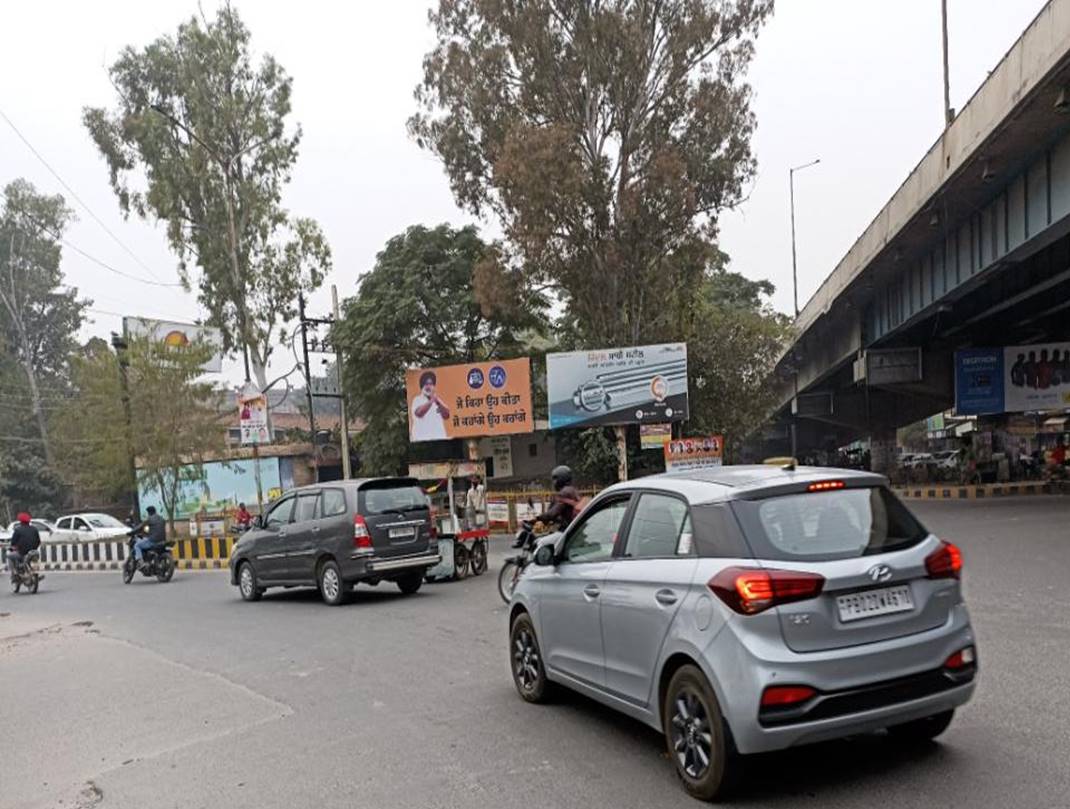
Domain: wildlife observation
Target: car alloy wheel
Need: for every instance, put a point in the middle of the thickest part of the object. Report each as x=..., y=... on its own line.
x=692, y=740
x=529, y=674
x=331, y=584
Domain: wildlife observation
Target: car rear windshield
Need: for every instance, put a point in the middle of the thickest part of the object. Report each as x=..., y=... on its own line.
x=379, y=499
x=841, y=524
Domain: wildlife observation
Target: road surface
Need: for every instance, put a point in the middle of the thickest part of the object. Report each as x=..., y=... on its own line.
x=180, y=695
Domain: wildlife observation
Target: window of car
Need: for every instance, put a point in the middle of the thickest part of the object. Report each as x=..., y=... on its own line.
x=64, y=522
x=389, y=497
x=103, y=521
x=306, y=506
x=657, y=528
x=80, y=524
x=593, y=539
x=333, y=503
x=280, y=513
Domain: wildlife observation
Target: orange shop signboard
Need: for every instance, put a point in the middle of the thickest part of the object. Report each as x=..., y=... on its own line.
x=468, y=401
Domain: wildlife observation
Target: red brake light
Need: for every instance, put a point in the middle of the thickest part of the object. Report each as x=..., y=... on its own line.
x=825, y=486
x=362, y=538
x=781, y=696
x=751, y=590
x=963, y=658
x=945, y=562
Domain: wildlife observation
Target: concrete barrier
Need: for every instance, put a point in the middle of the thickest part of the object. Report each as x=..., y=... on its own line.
x=986, y=491
x=203, y=553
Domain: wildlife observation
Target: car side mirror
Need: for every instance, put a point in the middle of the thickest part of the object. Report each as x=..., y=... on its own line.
x=544, y=556
x=258, y=521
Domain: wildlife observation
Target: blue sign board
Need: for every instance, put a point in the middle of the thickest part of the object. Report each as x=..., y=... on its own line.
x=979, y=381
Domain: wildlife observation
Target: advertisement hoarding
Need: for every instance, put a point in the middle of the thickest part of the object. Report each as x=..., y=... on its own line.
x=253, y=416
x=178, y=335
x=645, y=384
x=469, y=401
x=654, y=436
x=1012, y=379
x=686, y=454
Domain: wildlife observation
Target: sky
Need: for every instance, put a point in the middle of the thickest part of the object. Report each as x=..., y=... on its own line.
x=856, y=83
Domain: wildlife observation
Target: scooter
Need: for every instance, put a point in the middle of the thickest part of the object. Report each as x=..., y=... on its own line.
x=26, y=575
x=156, y=561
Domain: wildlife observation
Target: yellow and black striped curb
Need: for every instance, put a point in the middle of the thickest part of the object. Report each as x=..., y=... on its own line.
x=204, y=548
x=202, y=553
x=988, y=491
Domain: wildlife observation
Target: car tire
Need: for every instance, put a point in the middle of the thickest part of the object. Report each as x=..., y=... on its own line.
x=247, y=583
x=526, y=661
x=696, y=736
x=410, y=584
x=922, y=730
x=332, y=588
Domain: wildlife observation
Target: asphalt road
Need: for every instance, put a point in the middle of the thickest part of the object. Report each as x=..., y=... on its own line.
x=181, y=695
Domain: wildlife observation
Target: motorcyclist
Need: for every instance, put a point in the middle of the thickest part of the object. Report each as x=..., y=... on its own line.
x=563, y=506
x=24, y=538
x=155, y=530
x=243, y=520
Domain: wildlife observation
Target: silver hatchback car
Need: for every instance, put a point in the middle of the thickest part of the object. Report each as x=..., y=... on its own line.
x=748, y=609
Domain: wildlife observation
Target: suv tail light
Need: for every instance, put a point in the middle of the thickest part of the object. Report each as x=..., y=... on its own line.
x=962, y=659
x=783, y=696
x=362, y=538
x=749, y=591
x=945, y=562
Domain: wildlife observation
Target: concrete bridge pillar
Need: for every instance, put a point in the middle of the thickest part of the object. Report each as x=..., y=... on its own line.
x=882, y=451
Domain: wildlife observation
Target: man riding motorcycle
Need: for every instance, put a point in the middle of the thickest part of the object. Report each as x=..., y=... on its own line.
x=24, y=538
x=564, y=505
x=156, y=534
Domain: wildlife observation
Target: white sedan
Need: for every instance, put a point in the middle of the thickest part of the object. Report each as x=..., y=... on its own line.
x=88, y=527
x=46, y=529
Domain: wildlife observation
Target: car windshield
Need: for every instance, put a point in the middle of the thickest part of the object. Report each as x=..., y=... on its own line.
x=384, y=500
x=103, y=521
x=821, y=526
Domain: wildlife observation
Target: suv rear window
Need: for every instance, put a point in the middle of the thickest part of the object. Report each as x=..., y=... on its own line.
x=819, y=526
x=387, y=499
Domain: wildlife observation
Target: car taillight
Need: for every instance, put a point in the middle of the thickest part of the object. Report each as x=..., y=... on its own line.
x=749, y=591
x=825, y=486
x=434, y=522
x=781, y=696
x=963, y=658
x=945, y=562
x=362, y=538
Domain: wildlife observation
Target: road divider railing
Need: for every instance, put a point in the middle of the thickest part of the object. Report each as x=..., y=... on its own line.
x=984, y=491
x=200, y=553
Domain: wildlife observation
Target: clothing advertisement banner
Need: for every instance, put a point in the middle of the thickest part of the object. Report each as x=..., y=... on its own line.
x=1036, y=377
x=618, y=386
x=978, y=381
x=468, y=401
x=687, y=454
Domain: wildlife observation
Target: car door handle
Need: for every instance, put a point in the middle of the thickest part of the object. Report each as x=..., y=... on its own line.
x=315, y=529
x=666, y=597
x=592, y=591
x=282, y=533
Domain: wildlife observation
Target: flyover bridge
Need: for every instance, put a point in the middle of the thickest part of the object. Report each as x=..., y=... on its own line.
x=973, y=249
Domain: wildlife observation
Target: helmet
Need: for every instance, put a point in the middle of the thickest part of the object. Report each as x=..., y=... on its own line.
x=561, y=477
x=24, y=518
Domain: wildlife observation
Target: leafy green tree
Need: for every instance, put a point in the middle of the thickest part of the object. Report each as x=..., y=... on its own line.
x=38, y=316
x=198, y=141
x=606, y=135
x=415, y=308
x=177, y=422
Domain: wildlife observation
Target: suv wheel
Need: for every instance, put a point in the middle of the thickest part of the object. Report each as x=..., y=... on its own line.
x=922, y=730
x=695, y=736
x=331, y=586
x=410, y=584
x=247, y=583
x=529, y=673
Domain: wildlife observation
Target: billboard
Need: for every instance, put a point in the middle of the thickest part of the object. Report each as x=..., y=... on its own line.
x=1012, y=379
x=253, y=416
x=178, y=335
x=645, y=384
x=654, y=436
x=219, y=486
x=469, y=401
x=686, y=454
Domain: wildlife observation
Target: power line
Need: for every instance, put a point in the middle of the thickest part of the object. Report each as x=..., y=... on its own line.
x=77, y=198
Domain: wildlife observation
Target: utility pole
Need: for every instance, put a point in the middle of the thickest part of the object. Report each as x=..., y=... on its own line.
x=795, y=294
x=949, y=114
x=308, y=380
x=120, y=345
x=346, y=471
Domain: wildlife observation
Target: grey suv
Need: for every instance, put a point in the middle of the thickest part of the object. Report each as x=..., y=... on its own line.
x=747, y=609
x=334, y=535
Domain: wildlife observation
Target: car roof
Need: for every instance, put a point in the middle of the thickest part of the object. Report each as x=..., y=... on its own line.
x=747, y=481
x=354, y=483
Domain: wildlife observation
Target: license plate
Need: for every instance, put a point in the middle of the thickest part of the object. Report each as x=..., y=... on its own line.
x=871, y=603
x=402, y=533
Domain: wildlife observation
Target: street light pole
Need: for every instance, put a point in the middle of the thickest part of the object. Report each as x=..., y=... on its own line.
x=949, y=114
x=795, y=297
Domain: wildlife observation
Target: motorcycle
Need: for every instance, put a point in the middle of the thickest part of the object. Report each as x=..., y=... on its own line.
x=513, y=567
x=25, y=574
x=156, y=561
